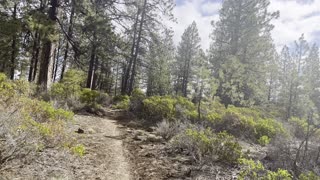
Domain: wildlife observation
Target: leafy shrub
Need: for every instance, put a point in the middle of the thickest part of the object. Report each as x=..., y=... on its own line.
x=204, y=145
x=185, y=109
x=69, y=86
x=27, y=125
x=79, y=150
x=300, y=126
x=256, y=170
x=103, y=99
x=6, y=88
x=264, y=140
x=309, y=176
x=136, y=101
x=157, y=108
x=247, y=122
x=89, y=97
x=46, y=121
x=121, y=102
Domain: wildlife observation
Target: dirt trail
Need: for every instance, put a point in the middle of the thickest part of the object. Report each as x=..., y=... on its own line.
x=105, y=155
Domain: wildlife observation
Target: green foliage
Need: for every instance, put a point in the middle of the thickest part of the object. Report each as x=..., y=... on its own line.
x=280, y=174
x=300, y=126
x=89, y=97
x=256, y=170
x=136, y=101
x=206, y=145
x=264, y=140
x=121, y=102
x=247, y=122
x=69, y=86
x=309, y=176
x=46, y=121
x=157, y=108
x=79, y=150
x=6, y=87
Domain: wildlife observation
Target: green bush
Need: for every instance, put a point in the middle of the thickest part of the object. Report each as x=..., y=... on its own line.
x=247, y=122
x=264, y=140
x=309, y=176
x=136, y=101
x=204, y=145
x=46, y=121
x=256, y=170
x=121, y=102
x=6, y=88
x=185, y=109
x=69, y=86
x=89, y=97
x=28, y=125
x=79, y=150
x=157, y=108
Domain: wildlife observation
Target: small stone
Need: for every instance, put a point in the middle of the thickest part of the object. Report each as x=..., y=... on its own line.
x=80, y=131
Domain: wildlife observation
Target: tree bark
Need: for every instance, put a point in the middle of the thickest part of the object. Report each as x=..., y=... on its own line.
x=47, y=53
x=133, y=73
x=57, y=62
x=70, y=34
x=126, y=77
x=13, y=46
x=92, y=63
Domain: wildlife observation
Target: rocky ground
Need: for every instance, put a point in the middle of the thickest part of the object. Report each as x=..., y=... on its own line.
x=118, y=147
x=153, y=159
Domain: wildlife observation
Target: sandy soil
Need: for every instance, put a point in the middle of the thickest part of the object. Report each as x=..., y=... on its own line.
x=104, y=152
x=105, y=157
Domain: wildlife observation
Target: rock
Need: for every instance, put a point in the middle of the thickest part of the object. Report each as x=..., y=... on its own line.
x=139, y=138
x=91, y=131
x=154, y=138
x=80, y=131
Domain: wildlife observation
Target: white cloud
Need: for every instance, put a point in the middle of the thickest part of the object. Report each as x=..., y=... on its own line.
x=296, y=17
x=193, y=10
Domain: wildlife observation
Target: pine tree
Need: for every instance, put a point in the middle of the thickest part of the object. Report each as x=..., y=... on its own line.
x=240, y=39
x=187, y=52
x=160, y=57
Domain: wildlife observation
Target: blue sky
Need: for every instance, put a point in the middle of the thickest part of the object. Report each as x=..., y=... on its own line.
x=296, y=17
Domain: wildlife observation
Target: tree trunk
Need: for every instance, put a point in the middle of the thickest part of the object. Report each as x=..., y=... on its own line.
x=95, y=75
x=47, y=53
x=57, y=62
x=34, y=52
x=54, y=62
x=133, y=73
x=13, y=46
x=116, y=83
x=92, y=63
x=126, y=77
x=36, y=62
x=70, y=34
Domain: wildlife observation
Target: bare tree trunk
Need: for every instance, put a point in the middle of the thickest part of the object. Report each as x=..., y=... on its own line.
x=54, y=62
x=92, y=63
x=36, y=62
x=34, y=52
x=126, y=77
x=13, y=46
x=70, y=34
x=116, y=83
x=133, y=73
x=95, y=75
x=57, y=62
